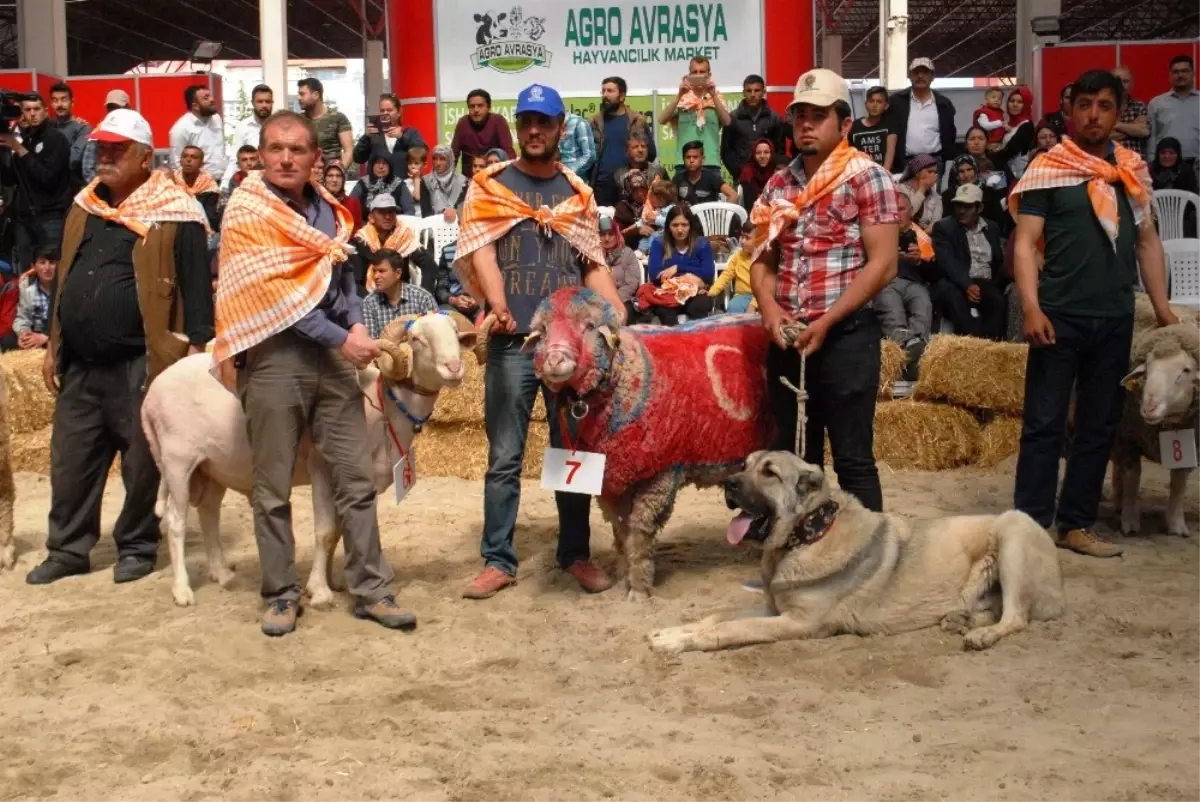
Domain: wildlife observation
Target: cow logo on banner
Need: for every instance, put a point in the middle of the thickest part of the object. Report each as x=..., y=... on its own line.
x=508, y=41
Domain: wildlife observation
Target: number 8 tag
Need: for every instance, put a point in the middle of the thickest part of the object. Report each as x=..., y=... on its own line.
x=573, y=471
x=1177, y=449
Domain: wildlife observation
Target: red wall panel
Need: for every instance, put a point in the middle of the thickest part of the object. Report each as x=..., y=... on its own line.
x=91, y=90
x=160, y=100
x=1150, y=63
x=788, y=25
x=1062, y=65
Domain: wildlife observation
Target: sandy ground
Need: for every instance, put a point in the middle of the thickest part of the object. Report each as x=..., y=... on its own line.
x=112, y=692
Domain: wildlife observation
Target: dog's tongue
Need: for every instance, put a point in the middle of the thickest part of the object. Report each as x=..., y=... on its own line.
x=738, y=528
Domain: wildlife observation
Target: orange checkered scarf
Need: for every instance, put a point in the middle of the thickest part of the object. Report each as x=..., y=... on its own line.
x=770, y=220
x=492, y=209
x=159, y=200
x=697, y=103
x=403, y=240
x=204, y=183
x=275, y=267
x=1067, y=165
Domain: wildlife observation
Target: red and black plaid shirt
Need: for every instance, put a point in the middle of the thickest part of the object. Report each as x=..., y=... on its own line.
x=823, y=253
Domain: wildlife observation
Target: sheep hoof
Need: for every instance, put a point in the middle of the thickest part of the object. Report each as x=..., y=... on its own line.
x=322, y=599
x=636, y=595
x=223, y=576
x=1130, y=526
x=1178, y=528
x=183, y=596
x=8, y=556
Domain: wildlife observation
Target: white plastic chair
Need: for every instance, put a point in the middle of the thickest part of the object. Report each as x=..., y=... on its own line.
x=439, y=233
x=412, y=220
x=1171, y=205
x=715, y=218
x=1183, y=266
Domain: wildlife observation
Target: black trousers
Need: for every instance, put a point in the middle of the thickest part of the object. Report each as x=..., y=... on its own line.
x=1092, y=355
x=98, y=414
x=842, y=380
x=697, y=306
x=951, y=301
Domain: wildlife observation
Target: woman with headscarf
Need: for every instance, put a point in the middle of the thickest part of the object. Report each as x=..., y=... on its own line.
x=495, y=156
x=335, y=182
x=756, y=172
x=445, y=187
x=1012, y=156
x=919, y=183
x=1168, y=171
x=380, y=180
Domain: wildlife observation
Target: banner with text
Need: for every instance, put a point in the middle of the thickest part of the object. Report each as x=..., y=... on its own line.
x=573, y=45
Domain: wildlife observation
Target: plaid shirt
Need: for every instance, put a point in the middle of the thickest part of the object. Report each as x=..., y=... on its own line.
x=823, y=253
x=1133, y=110
x=377, y=312
x=577, y=148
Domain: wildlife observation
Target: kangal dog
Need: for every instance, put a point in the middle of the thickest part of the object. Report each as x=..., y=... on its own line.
x=831, y=567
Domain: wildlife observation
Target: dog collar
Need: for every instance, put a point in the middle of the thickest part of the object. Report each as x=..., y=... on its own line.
x=812, y=527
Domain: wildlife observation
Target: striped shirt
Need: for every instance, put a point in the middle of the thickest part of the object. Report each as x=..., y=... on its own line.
x=823, y=253
x=378, y=311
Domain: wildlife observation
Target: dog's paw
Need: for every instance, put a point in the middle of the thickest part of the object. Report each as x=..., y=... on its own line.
x=8, y=556
x=980, y=639
x=958, y=623
x=183, y=595
x=635, y=595
x=1177, y=528
x=222, y=575
x=670, y=641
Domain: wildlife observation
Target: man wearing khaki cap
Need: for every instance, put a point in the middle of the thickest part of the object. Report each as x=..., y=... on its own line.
x=827, y=241
x=116, y=99
x=922, y=119
x=970, y=257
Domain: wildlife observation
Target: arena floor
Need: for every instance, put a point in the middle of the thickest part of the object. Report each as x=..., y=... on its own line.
x=112, y=692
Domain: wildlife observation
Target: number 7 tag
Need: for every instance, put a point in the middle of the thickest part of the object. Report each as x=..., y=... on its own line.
x=573, y=471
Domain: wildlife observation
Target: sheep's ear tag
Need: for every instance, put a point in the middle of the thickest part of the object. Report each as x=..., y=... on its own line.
x=1134, y=379
x=1177, y=449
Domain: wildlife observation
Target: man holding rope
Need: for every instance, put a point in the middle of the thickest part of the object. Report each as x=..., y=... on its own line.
x=290, y=319
x=826, y=243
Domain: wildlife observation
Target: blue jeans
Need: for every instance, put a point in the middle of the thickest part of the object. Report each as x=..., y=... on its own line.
x=739, y=303
x=509, y=389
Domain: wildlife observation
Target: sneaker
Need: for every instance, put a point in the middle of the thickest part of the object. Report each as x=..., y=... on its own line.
x=489, y=582
x=52, y=570
x=387, y=613
x=590, y=576
x=280, y=617
x=1085, y=541
x=131, y=569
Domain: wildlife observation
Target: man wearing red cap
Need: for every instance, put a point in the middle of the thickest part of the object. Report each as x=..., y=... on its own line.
x=132, y=296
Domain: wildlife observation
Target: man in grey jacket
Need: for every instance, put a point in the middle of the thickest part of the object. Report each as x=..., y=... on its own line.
x=75, y=129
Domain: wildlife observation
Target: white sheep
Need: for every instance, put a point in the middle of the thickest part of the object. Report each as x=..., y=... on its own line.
x=197, y=434
x=1163, y=393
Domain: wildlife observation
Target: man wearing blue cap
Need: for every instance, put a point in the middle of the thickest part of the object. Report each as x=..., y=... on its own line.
x=511, y=265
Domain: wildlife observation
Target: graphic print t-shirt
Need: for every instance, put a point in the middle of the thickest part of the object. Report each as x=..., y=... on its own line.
x=533, y=265
x=871, y=141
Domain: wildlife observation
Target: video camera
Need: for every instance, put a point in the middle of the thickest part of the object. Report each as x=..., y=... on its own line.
x=10, y=109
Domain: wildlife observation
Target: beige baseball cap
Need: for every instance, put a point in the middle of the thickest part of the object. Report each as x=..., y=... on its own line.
x=968, y=193
x=820, y=87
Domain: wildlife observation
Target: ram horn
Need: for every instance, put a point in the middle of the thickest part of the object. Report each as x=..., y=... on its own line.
x=481, y=344
x=394, y=360
x=397, y=330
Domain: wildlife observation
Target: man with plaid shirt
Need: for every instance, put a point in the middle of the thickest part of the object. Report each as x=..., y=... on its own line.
x=832, y=223
x=393, y=295
x=1133, y=129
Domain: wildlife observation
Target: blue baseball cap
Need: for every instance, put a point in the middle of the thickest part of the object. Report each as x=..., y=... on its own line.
x=541, y=100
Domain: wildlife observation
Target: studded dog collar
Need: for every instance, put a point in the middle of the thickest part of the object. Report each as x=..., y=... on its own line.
x=812, y=527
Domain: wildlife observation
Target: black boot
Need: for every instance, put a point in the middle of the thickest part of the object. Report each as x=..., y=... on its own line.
x=131, y=569
x=53, y=570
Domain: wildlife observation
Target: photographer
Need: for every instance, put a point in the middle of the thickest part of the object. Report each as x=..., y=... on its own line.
x=37, y=167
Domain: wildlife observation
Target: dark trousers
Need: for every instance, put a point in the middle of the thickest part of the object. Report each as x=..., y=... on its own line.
x=842, y=380
x=98, y=414
x=31, y=233
x=1092, y=355
x=697, y=306
x=989, y=318
x=509, y=389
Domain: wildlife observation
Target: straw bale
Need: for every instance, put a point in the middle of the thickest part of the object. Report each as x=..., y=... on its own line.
x=975, y=373
x=460, y=450
x=31, y=451
x=1000, y=439
x=925, y=436
x=465, y=404
x=30, y=405
x=892, y=362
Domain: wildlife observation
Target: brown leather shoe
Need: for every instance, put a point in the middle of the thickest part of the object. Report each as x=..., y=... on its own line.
x=489, y=582
x=1085, y=541
x=280, y=617
x=590, y=576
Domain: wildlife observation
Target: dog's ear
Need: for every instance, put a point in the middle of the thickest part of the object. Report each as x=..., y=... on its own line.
x=809, y=481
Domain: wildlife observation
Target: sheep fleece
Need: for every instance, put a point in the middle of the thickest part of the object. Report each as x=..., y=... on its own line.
x=693, y=395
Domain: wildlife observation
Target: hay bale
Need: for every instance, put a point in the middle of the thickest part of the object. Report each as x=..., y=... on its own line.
x=465, y=404
x=892, y=362
x=31, y=451
x=925, y=436
x=460, y=450
x=970, y=372
x=30, y=405
x=1000, y=439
